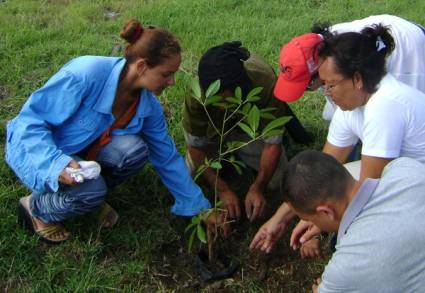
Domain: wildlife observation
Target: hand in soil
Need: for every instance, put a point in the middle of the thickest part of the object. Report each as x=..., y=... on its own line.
x=303, y=232
x=311, y=248
x=254, y=204
x=268, y=235
x=231, y=204
x=218, y=220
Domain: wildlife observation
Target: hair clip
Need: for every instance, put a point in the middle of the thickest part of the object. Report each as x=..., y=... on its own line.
x=379, y=44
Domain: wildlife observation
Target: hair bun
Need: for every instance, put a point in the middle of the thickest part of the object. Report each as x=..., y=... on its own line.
x=132, y=31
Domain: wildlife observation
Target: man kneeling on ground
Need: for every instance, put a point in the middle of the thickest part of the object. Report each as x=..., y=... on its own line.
x=380, y=236
x=235, y=67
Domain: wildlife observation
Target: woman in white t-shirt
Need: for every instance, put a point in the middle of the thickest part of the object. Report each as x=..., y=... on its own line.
x=385, y=114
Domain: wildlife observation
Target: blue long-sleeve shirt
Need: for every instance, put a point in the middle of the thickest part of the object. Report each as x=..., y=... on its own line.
x=72, y=110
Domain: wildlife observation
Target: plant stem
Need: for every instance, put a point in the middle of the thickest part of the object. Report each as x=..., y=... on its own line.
x=210, y=241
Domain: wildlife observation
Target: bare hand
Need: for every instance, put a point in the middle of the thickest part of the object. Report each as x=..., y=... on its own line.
x=218, y=220
x=268, y=235
x=316, y=285
x=254, y=204
x=231, y=204
x=311, y=248
x=303, y=232
x=65, y=178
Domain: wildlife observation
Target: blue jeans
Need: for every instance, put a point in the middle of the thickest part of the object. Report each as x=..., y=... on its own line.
x=123, y=157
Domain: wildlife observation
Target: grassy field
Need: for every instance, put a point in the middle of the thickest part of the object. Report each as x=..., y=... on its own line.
x=147, y=252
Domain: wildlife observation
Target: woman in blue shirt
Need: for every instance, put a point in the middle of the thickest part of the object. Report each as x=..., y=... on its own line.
x=104, y=108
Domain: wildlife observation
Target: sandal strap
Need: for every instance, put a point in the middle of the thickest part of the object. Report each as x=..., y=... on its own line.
x=53, y=232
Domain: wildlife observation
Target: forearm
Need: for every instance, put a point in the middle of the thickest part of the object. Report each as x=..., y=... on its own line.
x=284, y=213
x=339, y=153
x=270, y=157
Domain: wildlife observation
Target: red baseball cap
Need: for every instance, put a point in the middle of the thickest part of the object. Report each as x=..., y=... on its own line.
x=297, y=63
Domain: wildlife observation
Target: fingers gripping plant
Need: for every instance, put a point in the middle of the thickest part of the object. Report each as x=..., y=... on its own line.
x=248, y=117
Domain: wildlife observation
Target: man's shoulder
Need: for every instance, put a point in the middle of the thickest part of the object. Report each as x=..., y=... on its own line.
x=258, y=68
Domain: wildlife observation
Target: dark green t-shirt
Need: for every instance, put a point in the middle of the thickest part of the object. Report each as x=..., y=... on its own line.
x=195, y=120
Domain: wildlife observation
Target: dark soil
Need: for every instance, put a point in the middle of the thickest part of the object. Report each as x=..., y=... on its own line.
x=280, y=271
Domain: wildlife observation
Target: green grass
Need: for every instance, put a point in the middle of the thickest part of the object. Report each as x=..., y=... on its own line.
x=146, y=252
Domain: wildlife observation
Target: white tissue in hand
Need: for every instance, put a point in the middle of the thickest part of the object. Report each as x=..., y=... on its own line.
x=87, y=170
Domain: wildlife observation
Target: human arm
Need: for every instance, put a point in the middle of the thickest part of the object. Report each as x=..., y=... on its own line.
x=31, y=149
x=254, y=201
x=189, y=199
x=339, y=153
x=372, y=167
x=271, y=231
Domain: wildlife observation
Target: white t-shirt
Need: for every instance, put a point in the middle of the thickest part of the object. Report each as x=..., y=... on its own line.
x=406, y=62
x=390, y=125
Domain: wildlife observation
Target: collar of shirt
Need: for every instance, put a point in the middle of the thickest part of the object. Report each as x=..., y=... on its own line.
x=104, y=105
x=356, y=205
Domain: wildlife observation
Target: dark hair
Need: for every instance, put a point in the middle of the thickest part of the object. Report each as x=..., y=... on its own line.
x=151, y=43
x=361, y=52
x=225, y=62
x=312, y=177
x=321, y=28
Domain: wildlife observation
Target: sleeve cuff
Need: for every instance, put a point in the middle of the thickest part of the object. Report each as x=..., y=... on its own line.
x=190, y=209
x=51, y=183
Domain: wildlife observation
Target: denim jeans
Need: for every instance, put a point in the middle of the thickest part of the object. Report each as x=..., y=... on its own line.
x=123, y=157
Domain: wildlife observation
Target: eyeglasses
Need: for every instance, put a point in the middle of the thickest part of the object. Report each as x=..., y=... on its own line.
x=328, y=89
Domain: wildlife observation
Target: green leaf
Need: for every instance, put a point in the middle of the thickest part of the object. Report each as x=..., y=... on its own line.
x=268, y=109
x=189, y=227
x=254, y=99
x=212, y=100
x=196, y=89
x=254, y=118
x=195, y=219
x=232, y=100
x=276, y=123
x=246, y=108
x=213, y=88
x=201, y=234
x=247, y=129
x=240, y=163
x=253, y=92
x=200, y=170
x=223, y=105
x=274, y=132
x=191, y=238
x=238, y=94
x=233, y=144
x=267, y=116
x=216, y=165
x=237, y=168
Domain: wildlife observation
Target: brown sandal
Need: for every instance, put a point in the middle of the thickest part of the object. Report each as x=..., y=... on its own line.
x=53, y=233
x=108, y=217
